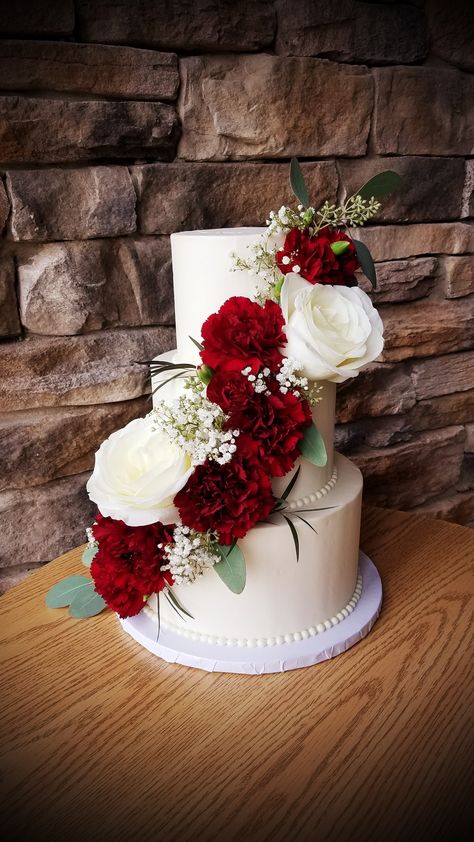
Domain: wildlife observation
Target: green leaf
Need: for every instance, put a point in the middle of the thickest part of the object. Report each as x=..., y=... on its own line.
x=175, y=603
x=366, y=263
x=231, y=568
x=197, y=344
x=165, y=382
x=294, y=535
x=63, y=593
x=88, y=555
x=305, y=521
x=87, y=603
x=312, y=446
x=291, y=484
x=297, y=183
x=339, y=247
x=380, y=185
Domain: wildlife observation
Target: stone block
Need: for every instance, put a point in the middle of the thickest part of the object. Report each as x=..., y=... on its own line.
x=426, y=328
x=11, y=576
x=402, y=280
x=39, y=445
x=208, y=25
x=352, y=31
x=53, y=130
x=99, y=367
x=4, y=206
x=456, y=507
x=257, y=107
x=38, y=524
x=394, y=242
x=442, y=411
x=443, y=375
x=411, y=108
x=410, y=473
x=468, y=192
x=35, y=17
x=458, y=275
x=469, y=443
x=69, y=288
x=88, y=69
x=379, y=389
x=185, y=196
x=451, y=27
x=67, y=204
x=9, y=318
x=431, y=188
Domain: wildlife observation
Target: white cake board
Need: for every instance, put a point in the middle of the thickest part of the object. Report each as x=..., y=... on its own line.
x=177, y=649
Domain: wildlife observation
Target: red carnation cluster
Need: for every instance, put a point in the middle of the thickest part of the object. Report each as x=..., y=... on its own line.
x=315, y=258
x=127, y=565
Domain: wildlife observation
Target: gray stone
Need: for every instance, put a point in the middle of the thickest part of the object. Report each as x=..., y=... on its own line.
x=54, y=130
x=379, y=389
x=88, y=69
x=68, y=204
x=9, y=318
x=394, y=242
x=68, y=288
x=458, y=274
x=240, y=107
x=451, y=27
x=38, y=524
x=431, y=187
x=411, y=105
x=468, y=192
x=11, y=576
x=352, y=31
x=40, y=445
x=443, y=375
x=35, y=17
x=185, y=196
x=210, y=25
x=426, y=328
x=99, y=367
x=4, y=206
x=402, y=280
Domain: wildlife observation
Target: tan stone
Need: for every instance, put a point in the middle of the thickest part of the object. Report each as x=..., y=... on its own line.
x=442, y=411
x=456, y=507
x=379, y=389
x=458, y=275
x=409, y=473
x=468, y=192
x=431, y=187
x=4, y=206
x=40, y=445
x=35, y=17
x=394, y=242
x=11, y=576
x=67, y=288
x=469, y=443
x=443, y=375
x=426, y=328
x=213, y=25
x=351, y=31
x=451, y=27
x=99, y=367
x=402, y=280
x=9, y=318
x=238, y=107
x=88, y=69
x=411, y=108
x=38, y=524
x=52, y=130
x=185, y=196
x=67, y=204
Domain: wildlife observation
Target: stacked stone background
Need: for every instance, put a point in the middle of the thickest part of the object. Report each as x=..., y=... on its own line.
x=123, y=122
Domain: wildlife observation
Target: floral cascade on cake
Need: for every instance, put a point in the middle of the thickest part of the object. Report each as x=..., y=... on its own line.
x=178, y=489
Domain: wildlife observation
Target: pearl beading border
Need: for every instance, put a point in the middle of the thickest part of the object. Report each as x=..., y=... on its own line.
x=299, y=502
x=278, y=640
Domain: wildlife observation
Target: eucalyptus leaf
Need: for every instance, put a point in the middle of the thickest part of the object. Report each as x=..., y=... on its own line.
x=87, y=603
x=366, y=263
x=63, y=593
x=312, y=446
x=380, y=185
x=231, y=568
x=339, y=247
x=297, y=183
x=88, y=555
x=294, y=535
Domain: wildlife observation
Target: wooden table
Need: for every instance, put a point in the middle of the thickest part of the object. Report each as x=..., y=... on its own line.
x=102, y=740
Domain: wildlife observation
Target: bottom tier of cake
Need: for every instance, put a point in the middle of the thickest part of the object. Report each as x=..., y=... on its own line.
x=284, y=599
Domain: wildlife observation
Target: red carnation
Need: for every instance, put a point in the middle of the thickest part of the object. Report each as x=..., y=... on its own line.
x=315, y=258
x=227, y=499
x=127, y=565
x=242, y=334
x=271, y=425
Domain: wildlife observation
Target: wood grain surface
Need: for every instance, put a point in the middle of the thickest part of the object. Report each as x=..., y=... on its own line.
x=102, y=740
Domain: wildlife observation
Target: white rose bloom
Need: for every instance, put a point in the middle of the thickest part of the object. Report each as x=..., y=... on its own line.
x=334, y=331
x=138, y=471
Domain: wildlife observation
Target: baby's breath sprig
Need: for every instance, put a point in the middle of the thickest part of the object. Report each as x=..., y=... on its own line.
x=190, y=554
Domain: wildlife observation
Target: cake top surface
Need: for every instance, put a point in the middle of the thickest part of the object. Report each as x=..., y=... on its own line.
x=221, y=232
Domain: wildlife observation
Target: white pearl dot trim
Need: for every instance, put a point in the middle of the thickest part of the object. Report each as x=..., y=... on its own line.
x=300, y=502
x=278, y=640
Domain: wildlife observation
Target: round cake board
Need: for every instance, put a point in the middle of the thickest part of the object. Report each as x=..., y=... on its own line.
x=177, y=649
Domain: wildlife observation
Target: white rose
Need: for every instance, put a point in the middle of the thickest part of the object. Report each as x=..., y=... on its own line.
x=332, y=330
x=137, y=473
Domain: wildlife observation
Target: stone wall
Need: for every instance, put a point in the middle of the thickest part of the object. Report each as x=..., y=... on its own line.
x=122, y=122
